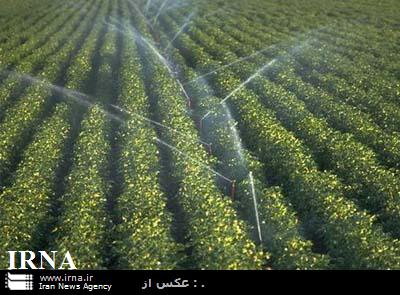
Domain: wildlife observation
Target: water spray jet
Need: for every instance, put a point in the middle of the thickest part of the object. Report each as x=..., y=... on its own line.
x=159, y=11
x=195, y=161
x=154, y=122
x=252, y=77
x=180, y=30
x=147, y=7
x=165, y=62
x=253, y=194
x=231, y=64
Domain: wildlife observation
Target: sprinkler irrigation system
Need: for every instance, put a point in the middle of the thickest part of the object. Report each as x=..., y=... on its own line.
x=230, y=64
x=232, y=182
x=164, y=61
x=141, y=13
x=156, y=123
x=83, y=99
x=144, y=41
x=252, y=77
x=253, y=194
x=159, y=11
x=180, y=30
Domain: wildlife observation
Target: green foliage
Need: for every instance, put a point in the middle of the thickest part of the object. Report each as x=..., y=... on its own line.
x=218, y=237
x=24, y=206
x=21, y=118
x=144, y=239
x=317, y=195
x=82, y=228
x=318, y=130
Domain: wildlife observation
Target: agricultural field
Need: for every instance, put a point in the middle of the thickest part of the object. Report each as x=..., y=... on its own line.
x=182, y=134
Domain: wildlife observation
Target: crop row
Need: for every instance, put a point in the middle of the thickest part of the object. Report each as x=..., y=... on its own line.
x=29, y=109
x=339, y=45
x=371, y=134
x=13, y=85
x=344, y=47
x=84, y=222
x=317, y=195
x=25, y=205
x=20, y=30
x=264, y=19
x=33, y=187
x=218, y=237
x=144, y=238
x=50, y=25
x=9, y=20
x=337, y=13
x=340, y=115
x=350, y=160
x=385, y=113
x=279, y=225
x=358, y=96
x=353, y=48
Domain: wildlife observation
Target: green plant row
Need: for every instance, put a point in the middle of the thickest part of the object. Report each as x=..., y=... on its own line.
x=218, y=237
x=376, y=57
x=279, y=225
x=364, y=37
x=144, y=234
x=353, y=162
x=83, y=225
x=48, y=28
x=385, y=113
x=33, y=184
x=10, y=20
x=339, y=115
x=350, y=235
x=20, y=30
x=105, y=82
x=347, y=43
x=35, y=61
x=343, y=117
x=339, y=52
x=27, y=112
x=351, y=62
x=24, y=206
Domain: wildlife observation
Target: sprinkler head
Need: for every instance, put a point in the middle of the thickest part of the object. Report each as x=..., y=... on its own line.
x=233, y=189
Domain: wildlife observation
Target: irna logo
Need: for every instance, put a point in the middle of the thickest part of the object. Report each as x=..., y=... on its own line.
x=43, y=260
